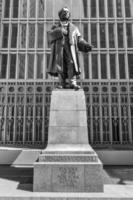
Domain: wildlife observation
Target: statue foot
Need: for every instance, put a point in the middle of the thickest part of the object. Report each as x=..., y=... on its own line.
x=61, y=86
x=75, y=86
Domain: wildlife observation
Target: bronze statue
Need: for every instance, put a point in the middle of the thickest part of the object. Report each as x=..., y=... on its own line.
x=66, y=40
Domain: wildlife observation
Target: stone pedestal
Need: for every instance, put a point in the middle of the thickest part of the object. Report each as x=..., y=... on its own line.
x=68, y=164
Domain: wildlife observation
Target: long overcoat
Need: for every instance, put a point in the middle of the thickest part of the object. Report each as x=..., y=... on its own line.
x=56, y=39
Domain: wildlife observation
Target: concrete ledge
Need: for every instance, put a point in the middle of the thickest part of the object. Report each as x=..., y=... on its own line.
x=23, y=192
x=8, y=155
x=108, y=157
x=68, y=177
x=16, y=184
x=113, y=157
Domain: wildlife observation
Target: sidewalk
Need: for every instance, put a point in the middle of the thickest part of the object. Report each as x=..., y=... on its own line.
x=16, y=183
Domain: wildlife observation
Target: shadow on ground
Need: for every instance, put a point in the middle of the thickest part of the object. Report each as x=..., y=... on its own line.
x=24, y=176
x=120, y=174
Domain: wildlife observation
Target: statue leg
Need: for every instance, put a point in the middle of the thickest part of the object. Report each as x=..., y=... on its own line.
x=62, y=81
x=72, y=77
x=69, y=70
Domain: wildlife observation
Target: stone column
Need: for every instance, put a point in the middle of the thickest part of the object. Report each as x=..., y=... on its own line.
x=68, y=164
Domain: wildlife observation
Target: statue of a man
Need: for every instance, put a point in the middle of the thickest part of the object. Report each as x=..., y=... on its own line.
x=66, y=40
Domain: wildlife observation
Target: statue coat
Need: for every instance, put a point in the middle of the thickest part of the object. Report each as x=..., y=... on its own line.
x=56, y=39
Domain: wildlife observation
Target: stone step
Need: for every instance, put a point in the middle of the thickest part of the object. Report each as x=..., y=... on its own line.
x=111, y=192
x=26, y=158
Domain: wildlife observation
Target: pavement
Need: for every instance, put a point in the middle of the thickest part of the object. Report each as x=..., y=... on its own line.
x=17, y=183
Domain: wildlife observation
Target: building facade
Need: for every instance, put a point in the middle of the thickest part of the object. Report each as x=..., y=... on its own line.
x=107, y=72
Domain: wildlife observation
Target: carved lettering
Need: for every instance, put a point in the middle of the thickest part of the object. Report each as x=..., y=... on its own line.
x=68, y=176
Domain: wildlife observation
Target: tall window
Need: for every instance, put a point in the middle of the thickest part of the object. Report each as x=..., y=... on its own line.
x=7, y=9
x=130, y=65
x=5, y=35
x=119, y=8
x=31, y=66
x=101, y=8
x=102, y=36
x=111, y=35
x=112, y=60
x=32, y=8
x=31, y=35
x=103, y=66
x=40, y=38
x=39, y=66
x=14, y=36
x=106, y=24
x=94, y=66
x=22, y=36
x=23, y=10
x=128, y=8
x=15, y=8
x=122, y=66
x=41, y=8
x=94, y=34
x=21, y=66
x=120, y=35
x=129, y=34
x=93, y=8
x=110, y=9
x=12, y=72
x=3, y=66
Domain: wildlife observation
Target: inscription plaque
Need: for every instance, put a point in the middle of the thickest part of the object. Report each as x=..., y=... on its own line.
x=68, y=176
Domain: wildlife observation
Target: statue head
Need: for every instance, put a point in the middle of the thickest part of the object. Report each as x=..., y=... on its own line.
x=64, y=14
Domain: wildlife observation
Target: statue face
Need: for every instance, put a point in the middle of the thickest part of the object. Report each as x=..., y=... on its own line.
x=64, y=14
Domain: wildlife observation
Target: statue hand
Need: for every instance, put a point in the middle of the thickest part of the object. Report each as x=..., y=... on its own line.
x=88, y=47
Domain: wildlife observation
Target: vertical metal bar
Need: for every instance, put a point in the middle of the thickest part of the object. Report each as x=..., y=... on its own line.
x=110, y=115
x=5, y=127
x=43, y=111
x=129, y=116
x=44, y=43
x=34, y=118
x=24, y=125
x=101, y=117
x=15, y=118
x=91, y=115
x=119, y=112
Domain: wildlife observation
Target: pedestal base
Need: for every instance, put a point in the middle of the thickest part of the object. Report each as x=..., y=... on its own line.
x=61, y=170
x=68, y=164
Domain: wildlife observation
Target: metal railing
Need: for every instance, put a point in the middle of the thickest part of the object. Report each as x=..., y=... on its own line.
x=24, y=112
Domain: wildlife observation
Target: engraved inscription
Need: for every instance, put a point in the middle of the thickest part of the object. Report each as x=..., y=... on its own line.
x=68, y=176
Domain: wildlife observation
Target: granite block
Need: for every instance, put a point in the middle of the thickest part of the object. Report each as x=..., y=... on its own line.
x=68, y=100
x=68, y=135
x=63, y=177
x=42, y=177
x=69, y=148
x=93, y=172
x=68, y=164
x=68, y=178
x=68, y=118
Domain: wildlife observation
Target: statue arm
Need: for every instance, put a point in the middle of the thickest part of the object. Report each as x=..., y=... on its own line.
x=55, y=34
x=83, y=45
